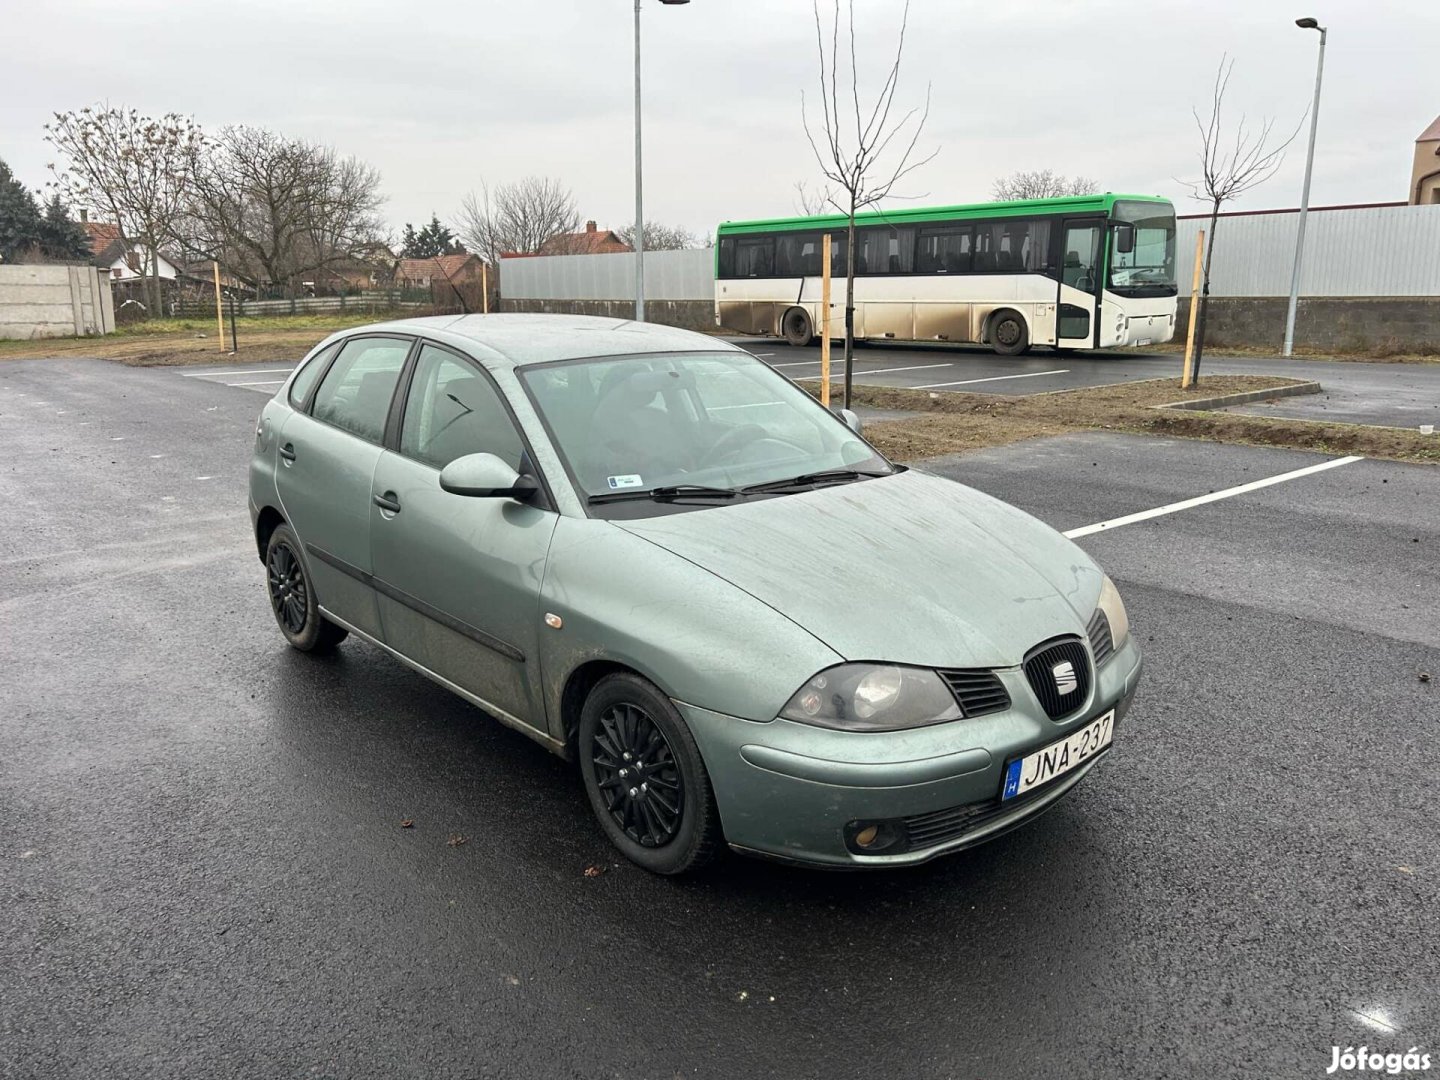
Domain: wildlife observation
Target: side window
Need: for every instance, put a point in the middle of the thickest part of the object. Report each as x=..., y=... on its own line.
x=355, y=394
x=755, y=257
x=1001, y=245
x=943, y=251
x=300, y=388
x=884, y=251
x=453, y=410
x=726, y=262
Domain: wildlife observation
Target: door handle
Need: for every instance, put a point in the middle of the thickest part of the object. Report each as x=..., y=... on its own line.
x=388, y=502
x=288, y=451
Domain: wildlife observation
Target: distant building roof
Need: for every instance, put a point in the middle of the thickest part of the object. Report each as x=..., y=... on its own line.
x=1431, y=133
x=440, y=266
x=592, y=241
x=100, y=235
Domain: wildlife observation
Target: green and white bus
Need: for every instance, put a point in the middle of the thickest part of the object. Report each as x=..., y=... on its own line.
x=1082, y=272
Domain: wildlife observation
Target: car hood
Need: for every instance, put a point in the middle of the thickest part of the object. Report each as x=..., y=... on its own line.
x=910, y=568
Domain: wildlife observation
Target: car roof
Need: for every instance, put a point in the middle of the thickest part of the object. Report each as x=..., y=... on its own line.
x=524, y=339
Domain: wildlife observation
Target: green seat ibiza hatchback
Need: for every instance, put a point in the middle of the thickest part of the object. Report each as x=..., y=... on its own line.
x=627, y=541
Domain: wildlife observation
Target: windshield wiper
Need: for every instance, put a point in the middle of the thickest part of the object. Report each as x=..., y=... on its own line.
x=830, y=476
x=666, y=492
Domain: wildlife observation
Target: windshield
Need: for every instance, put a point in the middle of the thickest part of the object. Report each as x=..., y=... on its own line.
x=1148, y=270
x=722, y=420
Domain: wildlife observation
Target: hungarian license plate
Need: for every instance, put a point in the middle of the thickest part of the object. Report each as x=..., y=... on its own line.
x=1034, y=770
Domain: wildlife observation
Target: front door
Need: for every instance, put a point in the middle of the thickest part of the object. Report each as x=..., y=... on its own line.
x=327, y=458
x=1078, y=295
x=458, y=578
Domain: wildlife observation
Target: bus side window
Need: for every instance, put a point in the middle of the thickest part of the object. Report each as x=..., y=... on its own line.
x=727, y=257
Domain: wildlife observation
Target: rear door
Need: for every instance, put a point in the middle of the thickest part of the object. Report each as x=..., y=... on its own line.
x=458, y=578
x=1077, y=302
x=327, y=457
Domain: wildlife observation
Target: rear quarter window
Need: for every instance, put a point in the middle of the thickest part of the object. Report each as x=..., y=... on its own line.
x=300, y=387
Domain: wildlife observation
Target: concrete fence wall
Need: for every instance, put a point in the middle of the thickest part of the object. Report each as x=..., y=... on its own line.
x=54, y=301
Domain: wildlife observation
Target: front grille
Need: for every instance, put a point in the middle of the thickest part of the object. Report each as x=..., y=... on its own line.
x=1046, y=668
x=1101, y=642
x=978, y=691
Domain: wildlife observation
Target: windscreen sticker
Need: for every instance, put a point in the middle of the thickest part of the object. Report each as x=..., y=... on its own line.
x=618, y=483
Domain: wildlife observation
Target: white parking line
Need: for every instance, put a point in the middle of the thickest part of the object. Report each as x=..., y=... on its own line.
x=1254, y=485
x=993, y=378
x=267, y=382
x=242, y=371
x=837, y=371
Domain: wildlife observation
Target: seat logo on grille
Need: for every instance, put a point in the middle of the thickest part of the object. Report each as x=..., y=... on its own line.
x=1065, y=678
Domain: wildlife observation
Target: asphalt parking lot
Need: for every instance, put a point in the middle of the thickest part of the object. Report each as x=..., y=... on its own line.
x=204, y=873
x=1393, y=395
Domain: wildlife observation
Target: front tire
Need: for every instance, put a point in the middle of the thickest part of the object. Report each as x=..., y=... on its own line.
x=1008, y=333
x=796, y=328
x=292, y=597
x=646, y=781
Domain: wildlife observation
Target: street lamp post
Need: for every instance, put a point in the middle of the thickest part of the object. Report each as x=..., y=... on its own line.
x=1304, y=24
x=639, y=189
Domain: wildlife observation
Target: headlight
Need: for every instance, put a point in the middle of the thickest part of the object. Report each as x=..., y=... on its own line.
x=873, y=697
x=1114, y=609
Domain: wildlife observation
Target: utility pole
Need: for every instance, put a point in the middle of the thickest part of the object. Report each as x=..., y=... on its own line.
x=1304, y=24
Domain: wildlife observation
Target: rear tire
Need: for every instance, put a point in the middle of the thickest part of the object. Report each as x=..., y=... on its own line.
x=796, y=328
x=1008, y=334
x=646, y=781
x=292, y=596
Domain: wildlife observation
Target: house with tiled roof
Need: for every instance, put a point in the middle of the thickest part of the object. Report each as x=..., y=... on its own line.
x=123, y=262
x=592, y=241
x=453, y=269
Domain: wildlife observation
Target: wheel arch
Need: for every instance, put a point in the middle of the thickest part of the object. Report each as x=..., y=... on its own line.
x=988, y=325
x=578, y=684
x=266, y=522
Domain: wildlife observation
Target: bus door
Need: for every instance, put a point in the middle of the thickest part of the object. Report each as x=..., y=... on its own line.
x=1078, y=298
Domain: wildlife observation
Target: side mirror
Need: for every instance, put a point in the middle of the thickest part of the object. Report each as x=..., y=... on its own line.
x=851, y=420
x=485, y=476
x=1124, y=237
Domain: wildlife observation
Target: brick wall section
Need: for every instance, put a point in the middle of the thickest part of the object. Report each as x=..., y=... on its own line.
x=1376, y=325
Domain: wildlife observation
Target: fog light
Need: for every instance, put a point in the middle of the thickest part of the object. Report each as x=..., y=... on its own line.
x=875, y=837
x=866, y=836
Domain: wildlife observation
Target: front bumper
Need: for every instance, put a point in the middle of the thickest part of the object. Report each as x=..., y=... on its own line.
x=787, y=790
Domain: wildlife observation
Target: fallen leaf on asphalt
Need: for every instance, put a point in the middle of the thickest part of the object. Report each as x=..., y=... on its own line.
x=594, y=870
x=512, y=980
x=1406, y=869
x=407, y=824
x=456, y=840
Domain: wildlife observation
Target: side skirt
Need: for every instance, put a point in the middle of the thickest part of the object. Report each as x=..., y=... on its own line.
x=555, y=746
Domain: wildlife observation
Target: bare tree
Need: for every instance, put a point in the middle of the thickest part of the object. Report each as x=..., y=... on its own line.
x=811, y=202
x=518, y=216
x=132, y=169
x=856, y=161
x=1040, y=184
x=1230, y=165
x=276, y=209
x=660, y=237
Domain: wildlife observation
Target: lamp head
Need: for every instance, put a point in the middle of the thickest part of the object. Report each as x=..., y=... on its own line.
x=1306, y=23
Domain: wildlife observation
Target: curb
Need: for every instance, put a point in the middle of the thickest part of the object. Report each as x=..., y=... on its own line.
x=1226, y=400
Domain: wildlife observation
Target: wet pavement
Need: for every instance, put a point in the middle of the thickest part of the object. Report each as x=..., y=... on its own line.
x=203, y=873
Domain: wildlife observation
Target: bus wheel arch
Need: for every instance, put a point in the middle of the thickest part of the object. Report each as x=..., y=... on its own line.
x=1007, y=332
x=796, y=327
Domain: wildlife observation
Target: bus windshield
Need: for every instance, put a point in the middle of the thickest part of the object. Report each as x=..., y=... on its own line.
x=1148, y=270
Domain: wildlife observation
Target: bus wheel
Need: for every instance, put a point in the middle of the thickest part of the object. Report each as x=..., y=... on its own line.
x=795, y=326
x=1008, y=335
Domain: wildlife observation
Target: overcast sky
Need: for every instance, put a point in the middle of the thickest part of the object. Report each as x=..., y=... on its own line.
x=441, y=94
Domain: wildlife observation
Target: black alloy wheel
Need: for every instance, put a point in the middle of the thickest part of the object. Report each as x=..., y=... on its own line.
x=637, y=776
x=644, y=776
x=289, y=595
x=292, y=597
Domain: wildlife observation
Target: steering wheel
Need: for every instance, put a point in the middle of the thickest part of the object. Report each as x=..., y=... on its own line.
x=730, y=443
